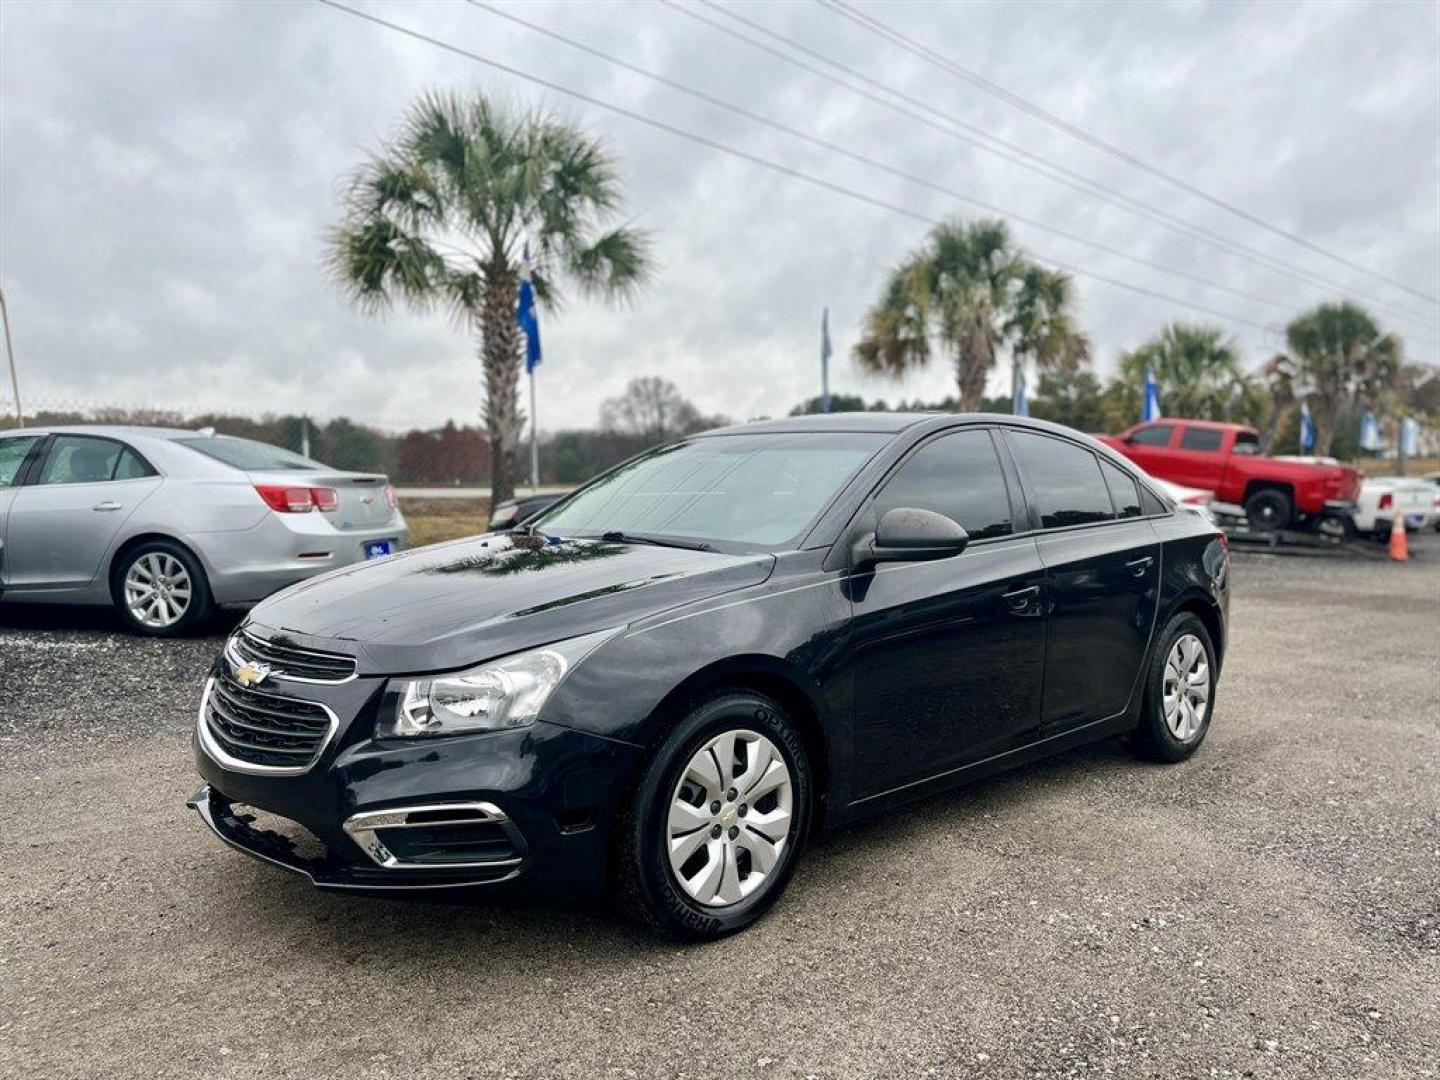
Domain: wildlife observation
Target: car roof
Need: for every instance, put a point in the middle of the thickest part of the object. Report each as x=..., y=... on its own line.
x=1215, y=425
x=114, y=431
x=885, y=423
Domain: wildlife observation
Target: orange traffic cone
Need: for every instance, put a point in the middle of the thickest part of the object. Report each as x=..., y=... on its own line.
x=1399, y=548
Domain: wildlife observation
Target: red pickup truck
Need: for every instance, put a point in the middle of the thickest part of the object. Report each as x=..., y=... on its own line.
x=1226, y=459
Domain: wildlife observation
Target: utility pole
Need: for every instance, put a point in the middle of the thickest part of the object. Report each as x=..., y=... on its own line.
x=10, y=352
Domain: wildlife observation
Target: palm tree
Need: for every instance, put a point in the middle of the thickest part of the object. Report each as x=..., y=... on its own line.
x=957, y=289
x=1042, y=325
x=440, y=216
x=1341, y=358
x=1278, y=376
x=1198, y=370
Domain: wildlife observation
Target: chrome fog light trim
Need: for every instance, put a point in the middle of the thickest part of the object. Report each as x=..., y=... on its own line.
x=363, y=828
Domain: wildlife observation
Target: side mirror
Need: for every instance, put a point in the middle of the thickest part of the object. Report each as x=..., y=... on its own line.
x=908, y=534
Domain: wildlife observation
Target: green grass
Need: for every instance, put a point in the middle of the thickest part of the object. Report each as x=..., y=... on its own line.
x=434, y=520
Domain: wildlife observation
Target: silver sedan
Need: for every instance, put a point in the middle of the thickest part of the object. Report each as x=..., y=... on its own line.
x=167, y=524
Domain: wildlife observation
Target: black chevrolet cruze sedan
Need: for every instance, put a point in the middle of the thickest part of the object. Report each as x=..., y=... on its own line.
x=656, y=690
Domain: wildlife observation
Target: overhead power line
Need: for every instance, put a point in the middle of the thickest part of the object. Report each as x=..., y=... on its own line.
x=945, y=63
x=1019, y=155
x=892, y=170
x=766, y=163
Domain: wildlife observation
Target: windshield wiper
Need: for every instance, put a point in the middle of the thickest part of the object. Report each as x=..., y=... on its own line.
x=615, y=536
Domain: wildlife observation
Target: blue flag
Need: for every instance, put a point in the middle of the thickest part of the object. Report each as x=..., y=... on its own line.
x=1370, y=438
x=1307, y=429
x=1409, y=437
x=526, y=316
x=1151, y=410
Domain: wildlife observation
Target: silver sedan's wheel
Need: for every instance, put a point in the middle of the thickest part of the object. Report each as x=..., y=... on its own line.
x=158, y=590
x=730, y=818
x=1186, y=693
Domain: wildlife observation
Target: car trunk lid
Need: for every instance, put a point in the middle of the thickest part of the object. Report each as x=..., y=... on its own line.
x=362, y=501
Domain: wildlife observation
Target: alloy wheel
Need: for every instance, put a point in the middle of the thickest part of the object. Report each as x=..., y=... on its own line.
x=730, y=818
x=1187, y=687
x=157, y=590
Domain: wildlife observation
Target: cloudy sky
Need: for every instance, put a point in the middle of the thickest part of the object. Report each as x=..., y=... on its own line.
x=168, y=172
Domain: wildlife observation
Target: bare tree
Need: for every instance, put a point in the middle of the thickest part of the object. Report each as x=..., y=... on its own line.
x=651, y=408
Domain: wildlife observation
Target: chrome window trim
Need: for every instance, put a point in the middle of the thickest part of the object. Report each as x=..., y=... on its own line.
x=231, y=643
x=217, y=754
x=362, y=828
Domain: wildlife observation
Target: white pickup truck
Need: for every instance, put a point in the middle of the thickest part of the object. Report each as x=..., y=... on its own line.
x=1382, y=497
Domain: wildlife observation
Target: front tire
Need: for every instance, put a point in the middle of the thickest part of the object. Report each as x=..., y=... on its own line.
x=1179, y=691
x=160, y=590
x=1269, y=509
x=718, y=820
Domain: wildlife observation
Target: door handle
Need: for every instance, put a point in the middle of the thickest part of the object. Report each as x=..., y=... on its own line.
x=106, y=506
x=1019, y=599
x=1139, y=566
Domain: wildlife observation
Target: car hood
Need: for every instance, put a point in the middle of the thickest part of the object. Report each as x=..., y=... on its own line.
x=456, y=604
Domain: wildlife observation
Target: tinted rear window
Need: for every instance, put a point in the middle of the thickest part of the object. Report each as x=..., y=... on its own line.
x=1204, y=440
x=1159, y=435
x=1124, y=492
x=1063, y=480
x=247, y=454
x=1150, y=503
x=958, y=476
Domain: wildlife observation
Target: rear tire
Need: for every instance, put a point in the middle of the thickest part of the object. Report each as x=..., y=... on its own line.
x=1337, y=528
x=690, y=871
x=1179, y=692
x=1269, y=509
x=160, y=590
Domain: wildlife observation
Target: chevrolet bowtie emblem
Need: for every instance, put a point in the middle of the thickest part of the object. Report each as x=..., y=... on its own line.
x=251, y=673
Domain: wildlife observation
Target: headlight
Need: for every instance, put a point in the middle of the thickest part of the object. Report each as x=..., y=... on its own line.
x=505, y=693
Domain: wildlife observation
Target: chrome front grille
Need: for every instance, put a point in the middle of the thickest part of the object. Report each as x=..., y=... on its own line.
x=291, y=661
x=254, y=731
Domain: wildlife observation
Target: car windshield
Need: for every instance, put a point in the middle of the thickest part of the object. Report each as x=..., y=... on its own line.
x=248, y=454
x=754, y=490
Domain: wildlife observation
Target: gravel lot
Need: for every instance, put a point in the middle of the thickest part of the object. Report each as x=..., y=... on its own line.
x=1267, y=909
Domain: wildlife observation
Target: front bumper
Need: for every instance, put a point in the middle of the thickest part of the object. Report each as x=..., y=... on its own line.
x=238, y=829
x=550, y=796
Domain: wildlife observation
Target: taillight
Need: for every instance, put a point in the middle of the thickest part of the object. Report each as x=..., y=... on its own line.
x=390, y=497
x=297, y=500
x=1387, y=501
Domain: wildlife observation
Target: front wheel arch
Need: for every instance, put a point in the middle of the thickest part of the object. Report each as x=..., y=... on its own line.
x=760, y=674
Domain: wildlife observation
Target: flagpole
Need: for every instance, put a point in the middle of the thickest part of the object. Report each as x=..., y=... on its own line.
x=534, y=444
x=10, y=352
